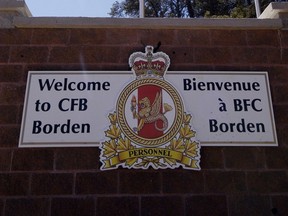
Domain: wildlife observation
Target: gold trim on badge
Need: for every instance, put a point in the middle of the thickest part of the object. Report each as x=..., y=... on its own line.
x=128, y=131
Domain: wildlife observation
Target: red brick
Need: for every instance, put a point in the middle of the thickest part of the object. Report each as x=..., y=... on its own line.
x=70, y=177
x=183, y=181
x=1, y=207
x=8, y=114
x=124, y=54
x=258, y=67
x=32, y=159
x=225, y=182
x=214, y=56
x=29, y=54
x=93, y=36
x=50, y=36
x=143, y=182
x=9, y=136
x=164, y=205
x=284, y=55
x=11, y=93
x=80, y=67
x=152, y=37
x=25, y=207
x=128, y=206
x=239, y=56
x=4, y=54
x=284, y=38
x=282, y=135
x=279, y=203
x=126, y=37
x=15, y=36
x=52, y=184
x=97, y=183
x=19, y=115
x=191, y=67
x=206, y=205
x=12, y=184
x=280, y=114
x=234, y=67
x=267, y=182
x=280, y=93
x=244, y=158
x=103, y=54
x=263, y=38
x=252, y=55
x=5, y=159
x=77, y=159
x=228, y=37
x=278, y=74
x=192, y=38
x=249, y=205
x=273, y=56
x=212, y=158
x=181, y=54
x=65, y=55
x=54, y=67
x=277, y=158
x=73, y=206
x=84, y=55
x=11, y=73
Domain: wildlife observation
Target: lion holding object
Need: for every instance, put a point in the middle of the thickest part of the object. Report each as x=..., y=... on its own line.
x=150, y=113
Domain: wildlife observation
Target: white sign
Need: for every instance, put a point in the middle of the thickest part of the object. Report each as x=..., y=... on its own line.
x=71, y=108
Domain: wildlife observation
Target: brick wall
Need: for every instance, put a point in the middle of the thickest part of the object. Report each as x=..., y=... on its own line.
x=68, y=181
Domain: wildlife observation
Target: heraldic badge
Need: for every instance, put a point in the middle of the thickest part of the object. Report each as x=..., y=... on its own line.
x=150, y=127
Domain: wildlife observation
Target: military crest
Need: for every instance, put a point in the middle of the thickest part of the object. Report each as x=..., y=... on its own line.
x=150, y=127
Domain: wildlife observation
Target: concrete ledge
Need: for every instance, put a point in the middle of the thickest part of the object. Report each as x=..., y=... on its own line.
x=145, y=23
x=275, y=10
x=12, y=6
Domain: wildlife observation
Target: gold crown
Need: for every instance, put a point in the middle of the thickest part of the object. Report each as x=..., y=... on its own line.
x=149, y=63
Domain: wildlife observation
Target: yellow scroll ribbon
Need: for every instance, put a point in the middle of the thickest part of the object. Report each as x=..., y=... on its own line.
x=150, y=152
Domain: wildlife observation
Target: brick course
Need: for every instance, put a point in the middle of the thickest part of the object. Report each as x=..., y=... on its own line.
x=24, y=207
x=67, y=181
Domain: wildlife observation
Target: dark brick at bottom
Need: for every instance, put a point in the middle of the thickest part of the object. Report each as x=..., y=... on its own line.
x=27, y=207
x=73, y=207
x=206, y=206
x=158, y=206
x=128, y=206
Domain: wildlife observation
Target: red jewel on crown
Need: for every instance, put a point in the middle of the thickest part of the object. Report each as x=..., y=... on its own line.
x=149, y=64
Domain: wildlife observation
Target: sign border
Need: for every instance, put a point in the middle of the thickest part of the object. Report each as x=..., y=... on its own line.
x=97, y=144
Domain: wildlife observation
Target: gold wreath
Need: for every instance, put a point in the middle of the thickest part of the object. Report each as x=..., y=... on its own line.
x=126, y=129
x=183, y=150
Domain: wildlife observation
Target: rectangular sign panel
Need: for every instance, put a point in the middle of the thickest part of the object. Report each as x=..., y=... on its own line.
x=71, y=108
